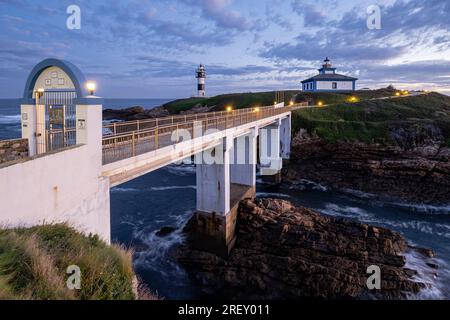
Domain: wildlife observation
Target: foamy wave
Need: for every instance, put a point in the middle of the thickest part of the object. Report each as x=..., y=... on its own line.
x=271, y=195
x=164, y=188
x=304, y=183
x=181, y=170
x=382, y=201
x=335, y=210
x=423, y=208
x=436, y=281
x=9, y=119
x=155, y=257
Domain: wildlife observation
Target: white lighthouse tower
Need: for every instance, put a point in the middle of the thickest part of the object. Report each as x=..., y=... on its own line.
x=201, y=76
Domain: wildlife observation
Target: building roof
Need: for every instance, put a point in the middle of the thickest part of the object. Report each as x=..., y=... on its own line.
x=329, y=77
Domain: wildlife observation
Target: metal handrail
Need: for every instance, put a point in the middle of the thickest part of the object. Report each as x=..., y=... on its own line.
x=125, y=145
x=136, y=125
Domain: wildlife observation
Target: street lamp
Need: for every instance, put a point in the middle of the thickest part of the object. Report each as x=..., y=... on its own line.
x=229, y=109
x=91, y=86
x=39, y=93
x=320, y=103
x=256, y=109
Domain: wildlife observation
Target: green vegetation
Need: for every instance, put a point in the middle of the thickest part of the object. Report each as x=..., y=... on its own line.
x=33, y=264
x=221, y=102
x=371, y=120
x=362, y=119
x=257, y=99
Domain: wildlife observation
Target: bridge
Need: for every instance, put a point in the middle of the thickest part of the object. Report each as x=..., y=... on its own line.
x=74, y=159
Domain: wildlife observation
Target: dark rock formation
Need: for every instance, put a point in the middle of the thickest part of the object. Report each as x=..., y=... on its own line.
x=416, y=169
x=134, y=113
x=284, y=252
x=139, y=113
x=165, y=231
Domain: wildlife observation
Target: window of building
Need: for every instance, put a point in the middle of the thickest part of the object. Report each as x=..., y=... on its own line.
x=334, y=85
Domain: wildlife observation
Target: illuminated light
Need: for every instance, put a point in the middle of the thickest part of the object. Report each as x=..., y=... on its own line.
x=256, y=109
x=291, y=103
x=91, y=86
x=397, y=94
x=229, y=109
x=320, y=103
x=39, y=93
x=353, y=99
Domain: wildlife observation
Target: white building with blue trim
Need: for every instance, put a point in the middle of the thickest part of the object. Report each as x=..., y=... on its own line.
x=329, y=81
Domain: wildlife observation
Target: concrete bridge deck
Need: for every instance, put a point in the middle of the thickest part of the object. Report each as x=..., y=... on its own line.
x=129, y=153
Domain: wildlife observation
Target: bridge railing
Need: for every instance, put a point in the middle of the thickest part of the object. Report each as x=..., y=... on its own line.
x=119, y=128
x=171, y=130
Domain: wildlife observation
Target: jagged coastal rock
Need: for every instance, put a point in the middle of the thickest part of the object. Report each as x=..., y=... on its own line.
x=416, y=169
x=140, y=113
x=134, y=113
x=285, y=252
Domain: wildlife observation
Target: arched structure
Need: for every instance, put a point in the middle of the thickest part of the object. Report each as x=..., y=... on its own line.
x=52, y=86
x=55, y=74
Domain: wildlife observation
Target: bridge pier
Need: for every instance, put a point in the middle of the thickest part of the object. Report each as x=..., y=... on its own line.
x=285, y=137
x=220, y=187
x=270, y=159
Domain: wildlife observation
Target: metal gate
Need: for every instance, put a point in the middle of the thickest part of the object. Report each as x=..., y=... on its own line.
x=60, y=119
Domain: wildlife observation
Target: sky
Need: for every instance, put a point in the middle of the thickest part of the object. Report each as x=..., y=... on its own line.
x=151, y=48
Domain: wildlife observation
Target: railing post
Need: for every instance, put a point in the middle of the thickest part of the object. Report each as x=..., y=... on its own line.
x=156, y=138
x=133, y=146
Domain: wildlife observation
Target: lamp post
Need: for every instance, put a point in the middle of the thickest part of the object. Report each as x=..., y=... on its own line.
x=91, y=86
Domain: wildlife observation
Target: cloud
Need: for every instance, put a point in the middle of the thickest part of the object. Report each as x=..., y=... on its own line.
x=312, y=16
x=217, y=11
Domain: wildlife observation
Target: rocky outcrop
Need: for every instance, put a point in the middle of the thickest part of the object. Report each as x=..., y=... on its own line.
x=139, y=113
x=134, y=113
x=284, y=252
x=415, y=169
x=12, y=150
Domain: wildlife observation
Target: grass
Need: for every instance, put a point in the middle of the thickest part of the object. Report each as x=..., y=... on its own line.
x=370, y=121
x=221, y=102
x=33, y=264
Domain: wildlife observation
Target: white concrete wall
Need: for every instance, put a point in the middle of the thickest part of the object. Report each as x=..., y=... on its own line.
x=244, y=159
x=269, y=149
x=64, y=186
x=285, y=137
x=59, y=187
x=341, y=85
x=213, y=181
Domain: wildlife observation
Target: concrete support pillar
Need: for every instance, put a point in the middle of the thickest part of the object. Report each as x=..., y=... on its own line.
x=220, y=187
x=89, y=122
x=89, y=119
x=244, y=159
x=29, y=122
x=213, y=180
x=269, y=149
x=285, y=136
